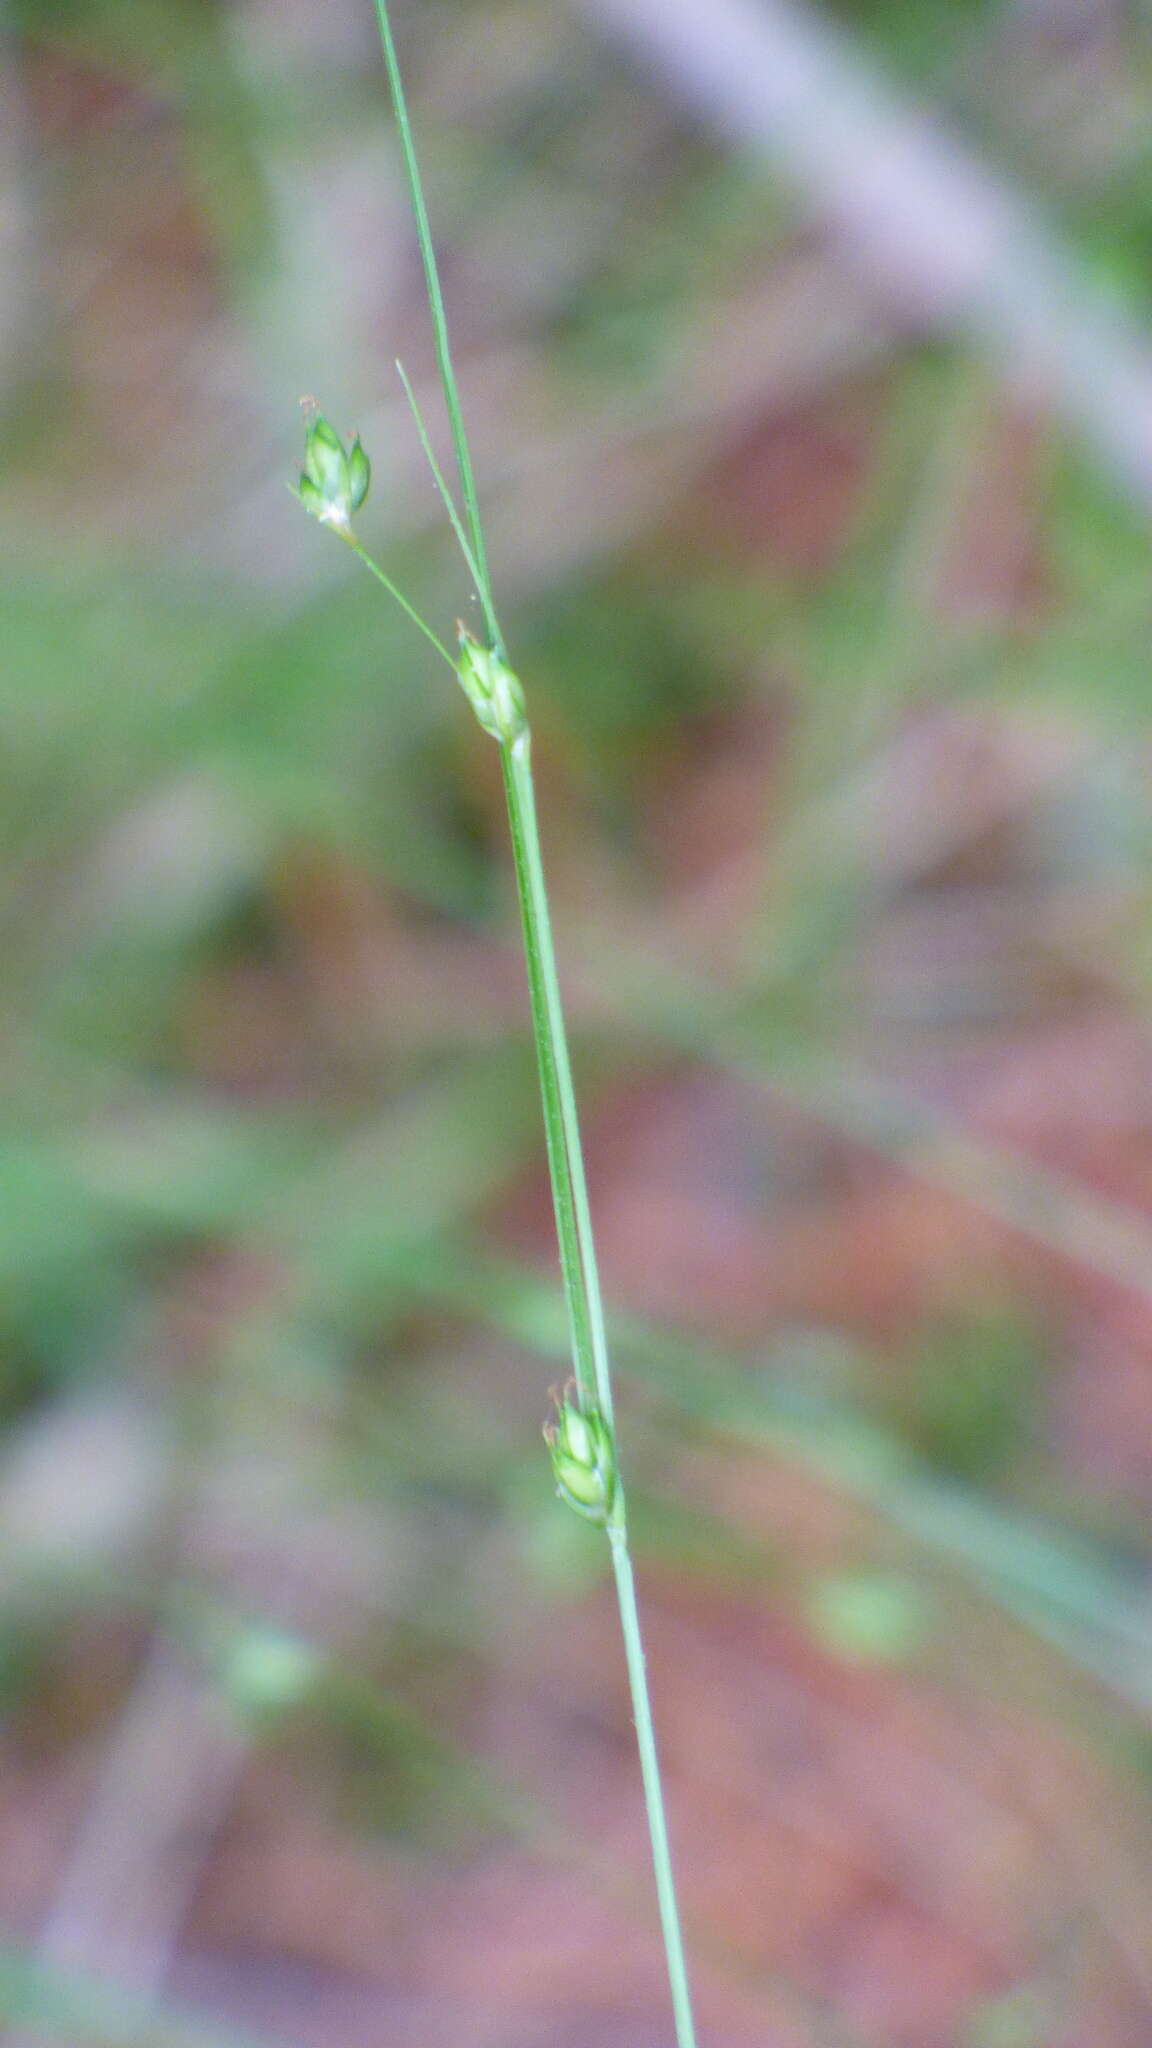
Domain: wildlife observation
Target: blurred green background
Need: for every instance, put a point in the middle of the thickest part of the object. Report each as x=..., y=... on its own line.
x=818, y=496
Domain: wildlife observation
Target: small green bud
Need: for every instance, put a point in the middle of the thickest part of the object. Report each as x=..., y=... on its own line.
x=583, y=1457
x=492, y=690
x=334, y=480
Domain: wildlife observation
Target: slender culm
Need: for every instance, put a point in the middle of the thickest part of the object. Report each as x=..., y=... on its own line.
x=581, y=1436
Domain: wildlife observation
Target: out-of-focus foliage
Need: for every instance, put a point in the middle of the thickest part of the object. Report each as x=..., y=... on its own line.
x=837, y=655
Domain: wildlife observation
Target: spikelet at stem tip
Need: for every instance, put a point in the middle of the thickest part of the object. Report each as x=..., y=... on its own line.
x=334, y=480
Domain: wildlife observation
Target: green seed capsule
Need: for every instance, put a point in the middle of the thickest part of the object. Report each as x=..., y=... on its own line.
x=492, y=690
x=334, y=480
x=583, y=1459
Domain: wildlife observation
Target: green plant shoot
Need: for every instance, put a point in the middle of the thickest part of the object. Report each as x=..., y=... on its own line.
x=581, y=1436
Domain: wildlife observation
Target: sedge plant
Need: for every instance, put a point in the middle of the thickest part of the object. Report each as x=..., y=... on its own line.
x=581, y=1435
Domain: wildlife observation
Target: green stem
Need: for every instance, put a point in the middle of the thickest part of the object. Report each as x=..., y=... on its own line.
x=551, y=1039
x=522, y=807
x=394, y=592
x=561, y=1124
x=650, y=1773
x=586, y=1312
x=439, y=327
